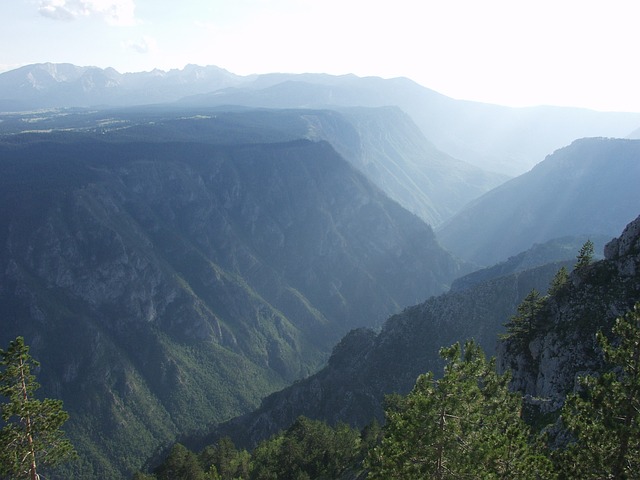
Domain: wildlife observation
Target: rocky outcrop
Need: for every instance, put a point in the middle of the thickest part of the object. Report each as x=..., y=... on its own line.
x=627, y=245
x=563, y=346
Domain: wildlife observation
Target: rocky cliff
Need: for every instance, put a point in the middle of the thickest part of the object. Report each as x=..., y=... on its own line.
x=562, y=345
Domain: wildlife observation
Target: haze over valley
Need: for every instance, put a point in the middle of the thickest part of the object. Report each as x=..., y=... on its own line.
x=253, y=270
x=173, y=263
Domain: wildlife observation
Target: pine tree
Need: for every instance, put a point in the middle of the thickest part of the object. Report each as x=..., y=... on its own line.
x=180, y=464
x=226, y=460
x=32, y=435
x=465, y=425
x=307, y=449
x=585, y=256
x=605, y=416
x=522, y=325
x=559, y=281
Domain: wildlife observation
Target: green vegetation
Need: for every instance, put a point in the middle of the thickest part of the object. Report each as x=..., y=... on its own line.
x=530, y=313
x=585, y=256
x=521, y=326
x=559, y=282
x=197, y=290
x=194, y=284
x=604, y=417
x=31, y=436
x=467, y=424
x=309, y=449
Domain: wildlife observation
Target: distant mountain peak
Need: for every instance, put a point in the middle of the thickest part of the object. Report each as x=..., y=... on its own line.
x=499, y=139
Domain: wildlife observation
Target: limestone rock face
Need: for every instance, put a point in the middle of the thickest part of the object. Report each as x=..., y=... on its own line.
x=563, y=345
x=627, y=244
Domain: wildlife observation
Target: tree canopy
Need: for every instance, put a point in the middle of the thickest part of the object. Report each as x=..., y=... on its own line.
x=585, y=255
x=465, y=425
x=604, y=416
x=31, y=436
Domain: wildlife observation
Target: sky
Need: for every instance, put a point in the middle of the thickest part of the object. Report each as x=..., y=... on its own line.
x=510, y=52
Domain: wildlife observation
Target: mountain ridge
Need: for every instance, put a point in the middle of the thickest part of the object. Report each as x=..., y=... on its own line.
x=365, y=365
x=585, y=188
x=492, y=137
x=179, y=279
x=383, y=143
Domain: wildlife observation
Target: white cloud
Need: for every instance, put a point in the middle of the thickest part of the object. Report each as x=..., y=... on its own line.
x=56, y=10
x=144, y=45
x=114, y=12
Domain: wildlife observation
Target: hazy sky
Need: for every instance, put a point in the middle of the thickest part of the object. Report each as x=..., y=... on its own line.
x=511, y=52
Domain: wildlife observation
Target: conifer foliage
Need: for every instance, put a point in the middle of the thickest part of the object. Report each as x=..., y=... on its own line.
x=605, y=416
x=465, y=425
x=585, y=256
x=31, y=436
x=559, y=282
x=521, y=326
x=468, y=424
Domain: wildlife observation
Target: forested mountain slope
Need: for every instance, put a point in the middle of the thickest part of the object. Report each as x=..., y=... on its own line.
x=383, y=143
x=587, y=188
x=167, y=285
x=555, y=346
x=557, y=250
x=394, y=153
x=365, y=366
x=545, y=361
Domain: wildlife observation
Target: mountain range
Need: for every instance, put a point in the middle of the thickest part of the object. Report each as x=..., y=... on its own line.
x=366, y=365
x=181, y=247
x=167, y=285
x=383, y=143
x=504, y=140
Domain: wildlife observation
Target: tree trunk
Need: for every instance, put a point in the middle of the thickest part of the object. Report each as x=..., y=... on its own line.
x=27, y=421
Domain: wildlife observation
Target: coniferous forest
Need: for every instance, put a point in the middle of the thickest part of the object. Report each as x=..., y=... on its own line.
x=465, y=424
